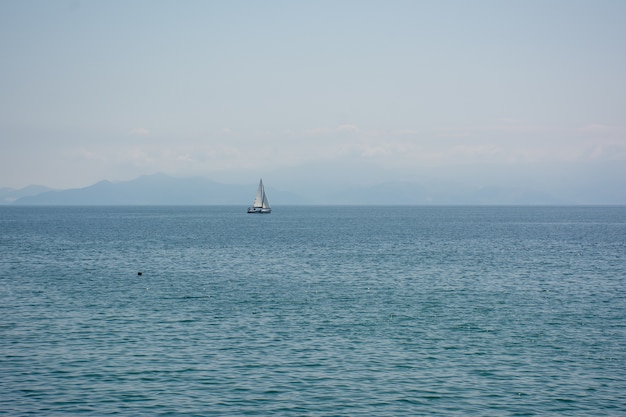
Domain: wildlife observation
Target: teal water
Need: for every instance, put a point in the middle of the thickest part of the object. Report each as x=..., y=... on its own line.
x=317, y=311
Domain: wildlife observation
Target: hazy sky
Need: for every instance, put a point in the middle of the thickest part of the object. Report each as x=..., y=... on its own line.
x=478, y=91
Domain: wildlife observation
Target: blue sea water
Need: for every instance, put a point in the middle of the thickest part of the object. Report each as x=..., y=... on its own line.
x=313, y=311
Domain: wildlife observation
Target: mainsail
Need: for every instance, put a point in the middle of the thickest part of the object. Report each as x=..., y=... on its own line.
x=260, y=192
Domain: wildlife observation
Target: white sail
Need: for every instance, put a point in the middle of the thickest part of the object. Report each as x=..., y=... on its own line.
x=260, y=193
x=261, y=204
x=266, y=203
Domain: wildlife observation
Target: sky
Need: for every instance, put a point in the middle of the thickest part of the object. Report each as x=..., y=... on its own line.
x=482, y=93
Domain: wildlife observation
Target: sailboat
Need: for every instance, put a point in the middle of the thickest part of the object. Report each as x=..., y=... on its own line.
x=260, y=204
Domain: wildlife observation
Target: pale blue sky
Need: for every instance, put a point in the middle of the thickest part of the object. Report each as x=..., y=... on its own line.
x=475, y=91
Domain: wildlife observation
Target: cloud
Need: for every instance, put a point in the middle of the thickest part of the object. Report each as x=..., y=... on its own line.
x=510, y=143
x=138, y=156
x=600, y=128
x=607, y=150
x=84, y=154
x=479, y=150
x=510, y=146
x=318, y=131
x=503, y=130
x=348, y=128
x=343, y=128
x=140, y=131
x=374, y=151
x=352, y=128
x=403, y=132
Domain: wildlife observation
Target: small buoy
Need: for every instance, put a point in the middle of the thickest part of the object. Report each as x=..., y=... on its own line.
x=139, y=273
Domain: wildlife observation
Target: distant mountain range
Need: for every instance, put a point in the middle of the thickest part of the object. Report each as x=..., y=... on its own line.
x=11, y=195
x=161, y=189
x=157, y=189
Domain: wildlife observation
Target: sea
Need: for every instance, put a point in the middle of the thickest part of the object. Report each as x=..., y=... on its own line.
x=313, y=311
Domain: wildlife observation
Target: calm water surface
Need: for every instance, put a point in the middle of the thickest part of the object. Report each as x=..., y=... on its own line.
x=320, y=311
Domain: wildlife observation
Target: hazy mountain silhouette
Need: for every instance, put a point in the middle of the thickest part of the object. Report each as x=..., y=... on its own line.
x=511, y=196
x=10, y=195
x=407, y=193
x=161, y=189
x=157, y=189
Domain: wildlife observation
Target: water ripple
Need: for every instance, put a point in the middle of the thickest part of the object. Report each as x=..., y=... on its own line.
x=336, y=312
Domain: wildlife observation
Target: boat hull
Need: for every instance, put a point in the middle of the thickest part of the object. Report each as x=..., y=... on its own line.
x=259, y=210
